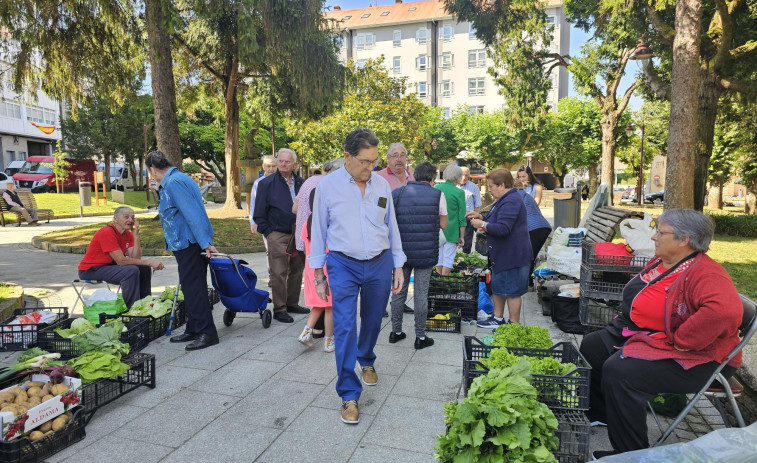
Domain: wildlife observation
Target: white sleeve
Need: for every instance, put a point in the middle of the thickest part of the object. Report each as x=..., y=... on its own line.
x=442, y=205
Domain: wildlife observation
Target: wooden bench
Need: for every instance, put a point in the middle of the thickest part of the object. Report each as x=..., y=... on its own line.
x=27, y=198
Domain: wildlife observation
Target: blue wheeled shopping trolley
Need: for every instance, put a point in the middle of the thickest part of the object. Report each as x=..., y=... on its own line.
x=235, y=284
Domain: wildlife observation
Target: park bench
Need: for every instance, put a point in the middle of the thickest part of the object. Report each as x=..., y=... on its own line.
x=28, y=199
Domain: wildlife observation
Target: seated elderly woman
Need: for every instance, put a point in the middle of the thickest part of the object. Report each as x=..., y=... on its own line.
x=679, y=319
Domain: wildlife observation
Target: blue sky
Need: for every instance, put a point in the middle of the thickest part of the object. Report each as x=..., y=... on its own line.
x=577, y=38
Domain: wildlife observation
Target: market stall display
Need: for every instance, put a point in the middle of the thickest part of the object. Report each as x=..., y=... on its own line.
x=19, y=331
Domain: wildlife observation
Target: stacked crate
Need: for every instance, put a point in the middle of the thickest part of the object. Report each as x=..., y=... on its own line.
x=603, y=278
x=455, y=295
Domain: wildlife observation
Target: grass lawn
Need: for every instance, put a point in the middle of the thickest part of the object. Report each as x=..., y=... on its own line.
x=739, y=258
x=5, y=290
x=68, y=203
x=229, y=233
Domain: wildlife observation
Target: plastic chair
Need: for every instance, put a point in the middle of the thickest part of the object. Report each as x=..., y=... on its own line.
x=717, y=386
x=83, y=284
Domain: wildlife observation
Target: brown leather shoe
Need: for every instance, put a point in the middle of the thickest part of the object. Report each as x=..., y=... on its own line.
x=370, y=378
x=350, y=412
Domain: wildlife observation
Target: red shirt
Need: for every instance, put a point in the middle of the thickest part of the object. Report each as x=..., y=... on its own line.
x=394, y=181
x=106, y=239
x=648, y=308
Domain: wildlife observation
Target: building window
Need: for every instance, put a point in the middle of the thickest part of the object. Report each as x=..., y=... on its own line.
x=421, y=62
x=412, y=8
x=366, y=15
x=10, y=109
x=396, y=65
x=472, y=32
x=477, y=58
x=361, y=63
x=476, y=86
x=346, y=18
x=365, y=40
x=475, y=110
x=446, y=60
x=397, y=38
x=446, y=32
x=550, y=20
x=447, y=88
x=421, y=35
x=447, y=113
x=422, y=89
x=384, y=13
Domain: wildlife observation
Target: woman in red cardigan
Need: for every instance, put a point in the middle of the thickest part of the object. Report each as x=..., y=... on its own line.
x=679, y=319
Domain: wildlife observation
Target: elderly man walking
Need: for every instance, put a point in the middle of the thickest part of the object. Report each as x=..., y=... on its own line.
x=472, y=204
x=275, y=220
x=421, y=211
x=396, y=172
x=354, y=212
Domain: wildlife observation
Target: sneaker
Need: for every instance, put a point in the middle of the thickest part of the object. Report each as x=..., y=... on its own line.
x=328, y=344
x=370, y=378
x=598, y=454
x=306, y=337
x=423, y=343
x=490, y=322
x=350, y=412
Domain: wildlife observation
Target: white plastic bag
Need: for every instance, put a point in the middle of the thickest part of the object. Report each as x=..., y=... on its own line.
x=101, y=294
x=638, y=235
x=565, y=260
x=563, y=236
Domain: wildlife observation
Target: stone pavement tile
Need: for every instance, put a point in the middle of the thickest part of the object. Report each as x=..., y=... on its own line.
x=276, y=349
x=221, y=441
x=371, y=399
x=392, y=359
x=120, y=450
x=407, y=423
x=178, y=418
x=317, y=434
x=274, y=404
x=429, y=381
x=169, y=380
x=238, y=378
x=252, y=331
x=408, y=327
x=443, y=352
x=380, y=454
x=313, y=366
x=162, y=353
x=106, y=420
x=211, y=358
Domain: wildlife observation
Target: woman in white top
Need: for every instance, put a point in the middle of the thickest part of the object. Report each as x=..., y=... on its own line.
x=531, y=184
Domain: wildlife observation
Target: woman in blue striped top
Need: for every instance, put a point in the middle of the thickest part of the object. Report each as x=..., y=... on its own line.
x=538, y=228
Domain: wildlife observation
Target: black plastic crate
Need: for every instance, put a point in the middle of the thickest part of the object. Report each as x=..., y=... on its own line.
x=22, y=450
x=105, y=391
x=610, y=263
x=21, y=337
x=573, y=430
x=451, y=325
x=136, y=336
x=569, y=391
x=594, y=315
x=448, y=292
x=157, y=326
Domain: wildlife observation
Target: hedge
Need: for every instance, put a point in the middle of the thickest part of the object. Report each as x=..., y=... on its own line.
x=744, y=225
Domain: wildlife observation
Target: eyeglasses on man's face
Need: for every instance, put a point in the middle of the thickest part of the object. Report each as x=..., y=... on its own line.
x=366, y=163
x=400, y=155
x=661, y=233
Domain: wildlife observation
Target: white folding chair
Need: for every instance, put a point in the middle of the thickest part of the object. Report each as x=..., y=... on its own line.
x=83, y=284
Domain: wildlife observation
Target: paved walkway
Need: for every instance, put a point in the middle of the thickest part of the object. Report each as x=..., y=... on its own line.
x=260, y=395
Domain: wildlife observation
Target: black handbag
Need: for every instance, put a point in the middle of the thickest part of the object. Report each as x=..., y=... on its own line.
x=482, y=247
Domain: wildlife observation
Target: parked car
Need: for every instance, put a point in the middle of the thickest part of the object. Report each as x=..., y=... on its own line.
x=655, y=198
x=120, y=175
x=37, y=174
x=4, y=180
x=13, y=168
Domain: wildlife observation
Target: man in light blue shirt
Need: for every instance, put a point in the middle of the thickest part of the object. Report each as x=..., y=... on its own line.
x=353, y=211
x=472, y=203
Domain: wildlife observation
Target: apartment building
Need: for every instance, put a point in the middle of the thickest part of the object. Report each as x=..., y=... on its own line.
x=26, y=128
x=444, y=62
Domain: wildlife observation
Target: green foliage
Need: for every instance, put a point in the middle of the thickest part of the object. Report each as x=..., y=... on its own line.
x=502, y=358
x=59, y=165
x=97, y=365
x=488, y=137
x=473, y=259
x=203, y=140
x=744, y=225
x=654, y=116
x=516, y=335
x=192, y=168
x=501, y=420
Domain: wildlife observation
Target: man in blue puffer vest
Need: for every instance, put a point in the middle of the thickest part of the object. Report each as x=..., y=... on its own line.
x=421, y=210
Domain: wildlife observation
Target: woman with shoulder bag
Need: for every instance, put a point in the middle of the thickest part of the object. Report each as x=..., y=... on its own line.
x=509, y=247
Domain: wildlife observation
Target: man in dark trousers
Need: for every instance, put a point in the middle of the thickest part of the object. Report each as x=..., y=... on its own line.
x=275, y=220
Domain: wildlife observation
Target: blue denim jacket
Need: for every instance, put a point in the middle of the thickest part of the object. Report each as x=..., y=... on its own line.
x=182, y=213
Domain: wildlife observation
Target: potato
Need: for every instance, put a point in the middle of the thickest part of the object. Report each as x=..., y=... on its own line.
x=47, y=397
x=47, y=388
x=34, y=391
x=9, y=408
x=69, y=416
x=7, y=397
x=46, y=426
x=59, y=389
x=22, y=408
x=49, y=432
x=34, y=401
x=21, y=397
x=36, y=435
x=15, y=390
x=31, y=384
x=59, y=422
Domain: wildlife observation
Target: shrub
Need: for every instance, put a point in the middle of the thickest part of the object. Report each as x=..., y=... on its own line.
x=744, y=225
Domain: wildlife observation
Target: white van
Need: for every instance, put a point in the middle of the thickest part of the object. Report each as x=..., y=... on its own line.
x=14, y=167
x=120, y=175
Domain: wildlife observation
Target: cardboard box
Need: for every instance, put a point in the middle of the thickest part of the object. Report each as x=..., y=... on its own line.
x=13, y=426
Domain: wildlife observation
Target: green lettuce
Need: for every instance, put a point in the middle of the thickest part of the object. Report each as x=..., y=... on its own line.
x=169, y=292
x=106, y=338
x=515, y=335
x=97, y=365
x=150, y=306
x=78, y=326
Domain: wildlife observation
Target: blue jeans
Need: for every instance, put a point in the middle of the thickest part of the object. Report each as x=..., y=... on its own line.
x=373, y=282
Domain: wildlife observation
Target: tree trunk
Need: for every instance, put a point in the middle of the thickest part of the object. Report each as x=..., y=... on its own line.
x=231, y=142
x=163, y=87
x=719, y=192
x=682, y=129
x=607, y=126
x=106, y=158
x=593, y=180
x=750, y=198
x=709, y=97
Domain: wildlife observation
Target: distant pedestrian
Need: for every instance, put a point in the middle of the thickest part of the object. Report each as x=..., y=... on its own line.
x=472, y=204
x=354, y=213
x=275, y=220
x=187, y=233
x=531, y=184
x=14, y=204
x=421, y=210
x=269, y=167
x=396, y=172
x=454, y=234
